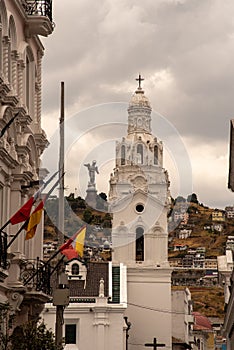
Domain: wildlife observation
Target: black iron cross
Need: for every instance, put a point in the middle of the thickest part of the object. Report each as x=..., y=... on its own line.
x=155, y=345
x=139, y=79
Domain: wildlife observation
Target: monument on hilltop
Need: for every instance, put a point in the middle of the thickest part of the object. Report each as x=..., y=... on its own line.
x=91, y=196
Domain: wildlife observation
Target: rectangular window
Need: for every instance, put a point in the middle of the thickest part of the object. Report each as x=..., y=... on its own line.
x=70, y=334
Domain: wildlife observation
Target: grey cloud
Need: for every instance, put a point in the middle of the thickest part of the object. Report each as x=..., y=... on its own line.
x=96, y=46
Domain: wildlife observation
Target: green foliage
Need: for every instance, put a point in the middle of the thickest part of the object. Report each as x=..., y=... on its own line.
x=103, y=196
x=88, y=216
x=33, y=336
x=6, y=320
x=107, y=221
x=192, y=198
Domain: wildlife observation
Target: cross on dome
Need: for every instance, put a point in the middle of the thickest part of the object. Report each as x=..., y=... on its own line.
x=139, y=79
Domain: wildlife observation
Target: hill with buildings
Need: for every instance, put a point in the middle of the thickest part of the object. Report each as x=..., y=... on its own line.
x=197, y=235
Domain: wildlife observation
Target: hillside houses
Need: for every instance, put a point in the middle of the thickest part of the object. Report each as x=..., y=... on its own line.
x=229, y=211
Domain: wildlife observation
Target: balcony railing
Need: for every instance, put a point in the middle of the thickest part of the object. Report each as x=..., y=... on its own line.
x=38, y=7
x=3, y=250
x=35, y=275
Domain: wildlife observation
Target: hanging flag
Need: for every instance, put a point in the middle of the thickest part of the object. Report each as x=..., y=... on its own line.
x=24, y=212
x=70, y=253
x=74, y=246
x=28, y=218
x=34, y=220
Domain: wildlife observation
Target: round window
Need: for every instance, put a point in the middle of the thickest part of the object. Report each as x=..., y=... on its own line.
x=140, y=208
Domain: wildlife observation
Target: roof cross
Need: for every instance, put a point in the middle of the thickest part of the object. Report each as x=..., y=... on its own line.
x=139, y=79
x=155, y=345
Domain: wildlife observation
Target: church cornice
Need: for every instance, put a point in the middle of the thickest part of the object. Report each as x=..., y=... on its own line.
x=8, y=159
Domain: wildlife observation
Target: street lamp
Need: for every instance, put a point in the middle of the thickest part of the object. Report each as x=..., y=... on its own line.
x=128, y=324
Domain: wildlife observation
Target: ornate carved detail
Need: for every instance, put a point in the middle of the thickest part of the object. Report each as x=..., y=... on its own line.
x=15, y=299
x=139, y=182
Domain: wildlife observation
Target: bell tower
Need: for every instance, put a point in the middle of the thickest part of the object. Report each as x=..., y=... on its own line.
x=139, y=191
x=139, y=200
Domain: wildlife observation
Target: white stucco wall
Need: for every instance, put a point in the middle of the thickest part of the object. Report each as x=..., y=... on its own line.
x=149, y=290
x=100, y=325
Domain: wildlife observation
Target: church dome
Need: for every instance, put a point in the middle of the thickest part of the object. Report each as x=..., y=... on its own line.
x=139, y=99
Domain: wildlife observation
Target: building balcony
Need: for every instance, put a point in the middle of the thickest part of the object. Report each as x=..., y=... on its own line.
x=39, y=17
x=35, y=276
x=3, y=256
x=3, y=250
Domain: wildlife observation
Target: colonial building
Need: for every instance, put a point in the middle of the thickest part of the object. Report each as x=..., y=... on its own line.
x=22, y=142
x=139, y=200
x=94, y=318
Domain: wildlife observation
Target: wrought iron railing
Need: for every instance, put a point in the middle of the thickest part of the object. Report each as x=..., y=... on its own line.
x=3, y=250
x=35, y=275
x=38, y=7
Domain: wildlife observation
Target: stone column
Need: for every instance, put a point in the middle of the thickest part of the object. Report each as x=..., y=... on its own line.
x=21, y=67
x=39, y=86
x=6, y=199
x=14, y=57
x=1, y=60
x=6, y=45
x=101, y=322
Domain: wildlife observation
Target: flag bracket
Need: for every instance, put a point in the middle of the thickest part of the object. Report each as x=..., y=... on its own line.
x=32, y=184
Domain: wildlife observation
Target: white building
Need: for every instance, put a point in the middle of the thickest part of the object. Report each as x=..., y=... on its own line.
x=182, y=318
x=94, y=318
x=21, y=145
x=139, y=200
x=229, y=212
x=228, y=331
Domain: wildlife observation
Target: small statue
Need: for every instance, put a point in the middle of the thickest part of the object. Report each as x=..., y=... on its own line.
x=92, y=169
x=101, y=288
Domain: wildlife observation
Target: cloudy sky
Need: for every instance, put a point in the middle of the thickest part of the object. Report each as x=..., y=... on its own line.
x=185, y=51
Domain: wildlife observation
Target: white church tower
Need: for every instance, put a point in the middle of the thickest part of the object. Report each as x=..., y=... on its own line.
x=139, y=200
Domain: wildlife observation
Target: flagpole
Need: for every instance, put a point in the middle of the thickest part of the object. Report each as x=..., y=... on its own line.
x=60, y=308
x=5, y=225
x=35, y=197
x=61, y=171
x=18, y=232
x=26, y=222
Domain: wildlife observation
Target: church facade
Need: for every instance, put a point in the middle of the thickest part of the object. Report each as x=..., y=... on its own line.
x=139, y=200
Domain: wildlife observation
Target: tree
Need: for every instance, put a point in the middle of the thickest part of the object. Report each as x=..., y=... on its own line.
x=101, y=201
x=6, y=322
x=192, y=198
x=88, y=216
x=103, y=196
x=33, y=336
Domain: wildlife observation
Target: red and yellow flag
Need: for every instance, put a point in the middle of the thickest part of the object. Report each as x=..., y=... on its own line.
x=34, y=220
x=74, y=246
x=23, y=213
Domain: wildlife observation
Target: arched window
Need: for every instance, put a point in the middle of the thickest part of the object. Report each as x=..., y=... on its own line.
x=75, y=269
x=139, y=244
x=123, y=155
x=140, y=153
x=155, y=155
